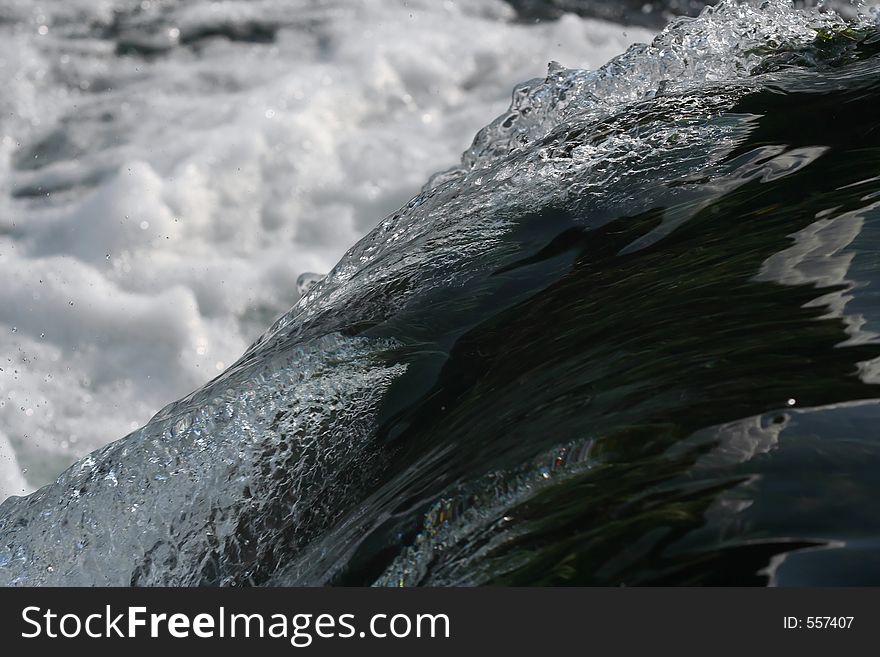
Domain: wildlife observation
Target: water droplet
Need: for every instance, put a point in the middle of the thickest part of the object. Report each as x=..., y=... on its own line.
x=307, y=281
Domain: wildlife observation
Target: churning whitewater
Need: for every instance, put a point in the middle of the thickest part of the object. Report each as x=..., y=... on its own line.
x=168, y=168
x=618, y=343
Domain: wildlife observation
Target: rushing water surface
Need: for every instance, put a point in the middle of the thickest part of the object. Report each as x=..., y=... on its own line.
x=629, y=12
x=631, y=339
x=168, y=168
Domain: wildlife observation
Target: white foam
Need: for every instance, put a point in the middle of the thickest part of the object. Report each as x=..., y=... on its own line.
x=174, y=200
x=11, y=480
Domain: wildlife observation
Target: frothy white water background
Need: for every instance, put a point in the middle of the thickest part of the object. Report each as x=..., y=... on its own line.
x=155, y=211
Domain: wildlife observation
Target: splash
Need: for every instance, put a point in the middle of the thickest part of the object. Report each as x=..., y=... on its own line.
x=379, y=415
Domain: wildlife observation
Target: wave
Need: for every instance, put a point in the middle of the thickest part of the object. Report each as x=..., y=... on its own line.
x=629, y=340
x=167, y=172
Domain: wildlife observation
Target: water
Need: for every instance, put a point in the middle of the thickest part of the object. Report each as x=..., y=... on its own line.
x=654, y=13
x=168, y=169
x=631, y=339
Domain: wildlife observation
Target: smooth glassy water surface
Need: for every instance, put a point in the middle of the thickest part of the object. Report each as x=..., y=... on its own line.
x=631, y=339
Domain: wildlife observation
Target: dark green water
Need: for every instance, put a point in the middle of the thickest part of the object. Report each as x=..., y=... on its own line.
x=712, y=381
x=633, y=340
